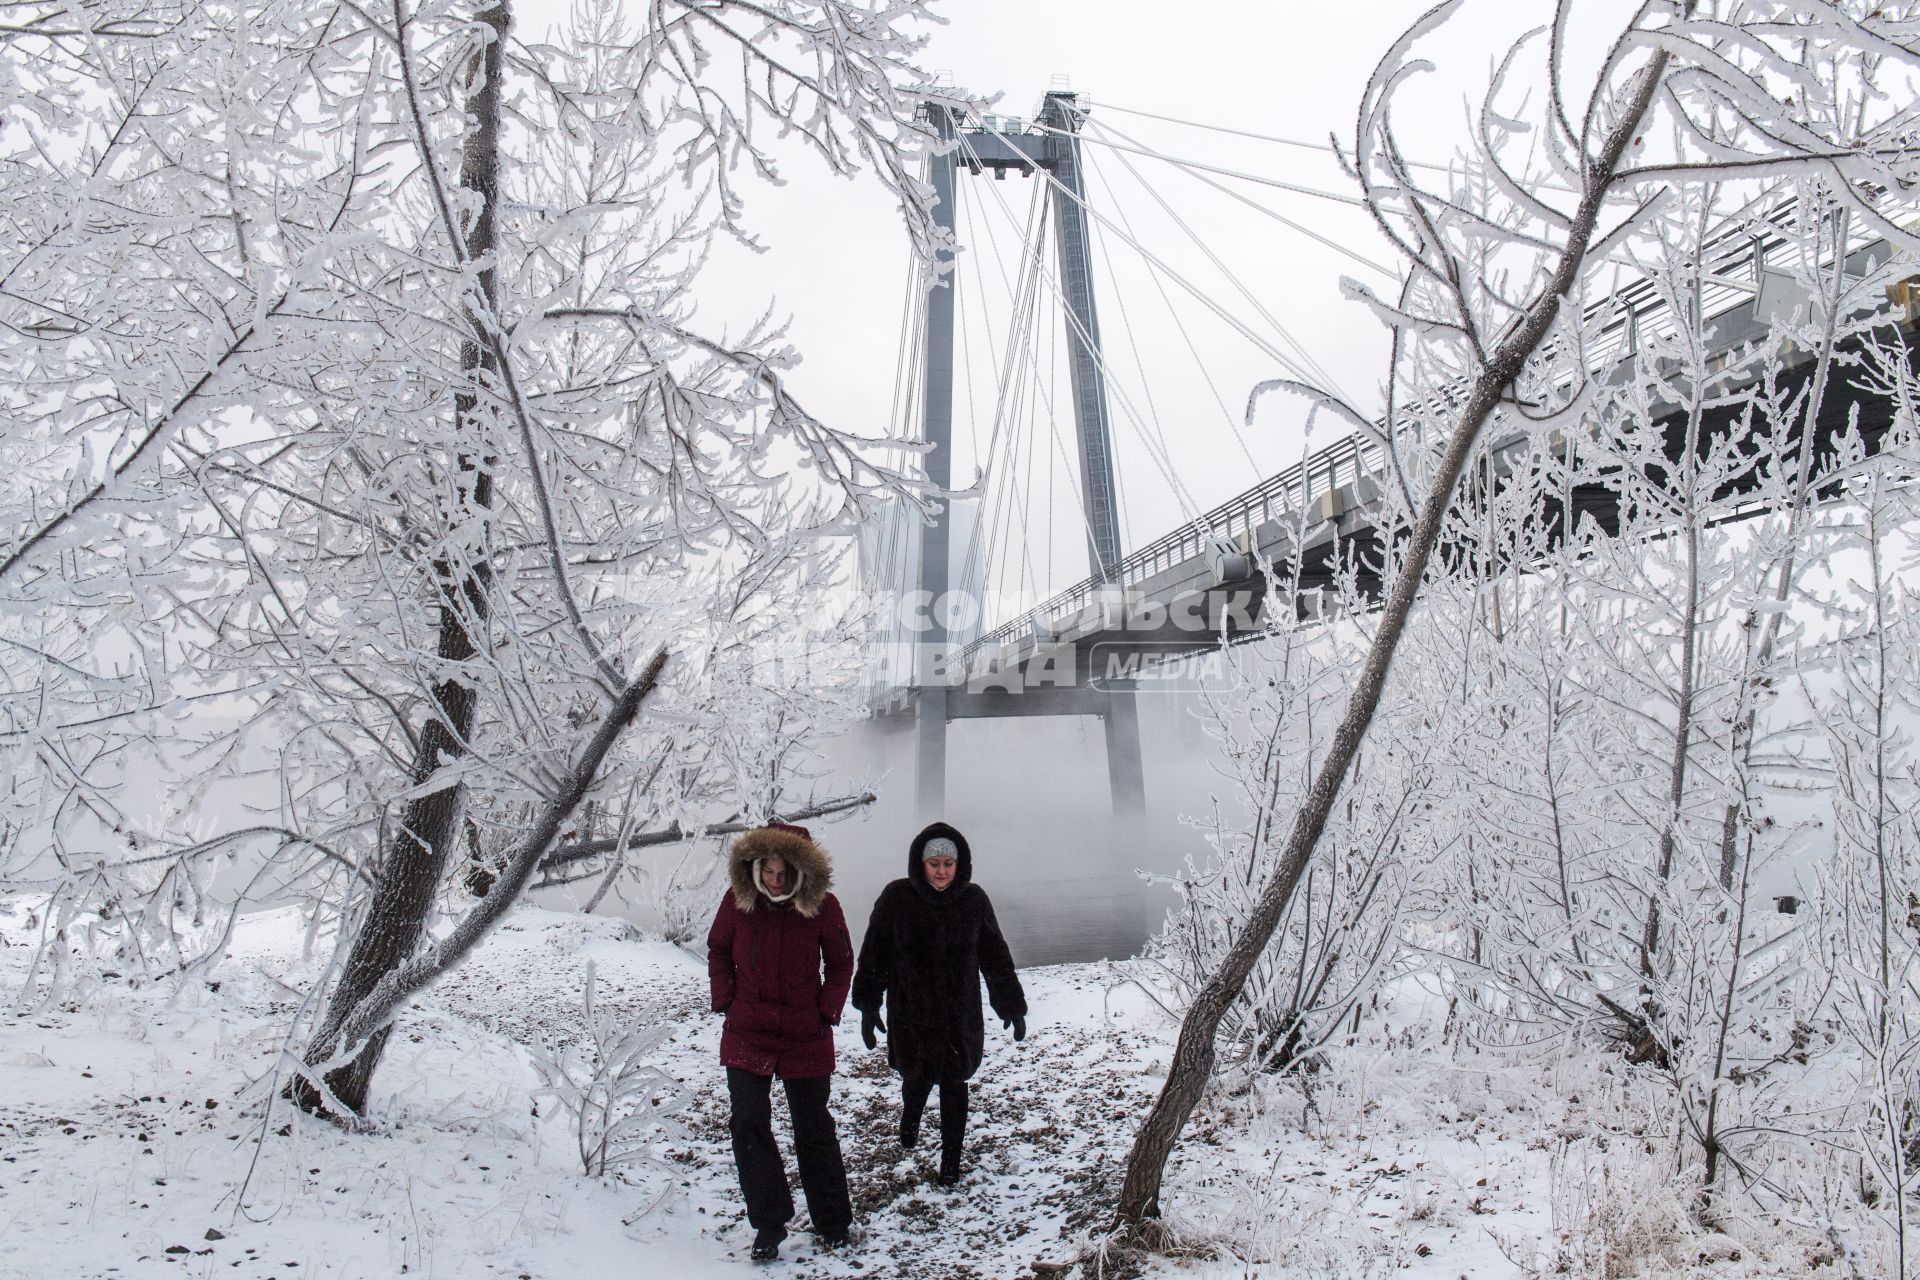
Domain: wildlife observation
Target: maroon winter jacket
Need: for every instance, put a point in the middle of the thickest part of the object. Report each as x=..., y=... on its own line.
x=764, y=961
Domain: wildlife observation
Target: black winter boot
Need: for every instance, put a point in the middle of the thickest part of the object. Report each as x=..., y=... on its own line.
x=766, y=1243
x=953, y=1129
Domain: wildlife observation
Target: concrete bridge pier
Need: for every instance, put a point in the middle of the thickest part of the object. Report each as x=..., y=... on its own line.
x=935, y=705
x=930, y=751
x=1126, y=776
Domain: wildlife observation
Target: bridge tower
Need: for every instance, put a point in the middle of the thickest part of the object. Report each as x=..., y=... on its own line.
x=1051, y=148
x=936, y=381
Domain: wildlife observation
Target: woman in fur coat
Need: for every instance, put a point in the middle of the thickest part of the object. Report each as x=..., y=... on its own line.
x=779, y=960
x=931, y=940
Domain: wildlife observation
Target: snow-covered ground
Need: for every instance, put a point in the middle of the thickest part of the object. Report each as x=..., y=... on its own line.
x=135, y=1141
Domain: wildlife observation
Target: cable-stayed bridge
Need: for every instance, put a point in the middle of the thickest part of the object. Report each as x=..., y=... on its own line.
x=1079, y=649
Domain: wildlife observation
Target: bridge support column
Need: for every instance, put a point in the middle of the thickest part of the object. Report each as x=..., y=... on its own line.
x=930, y=753
x=1126, y=776
x=931, y=645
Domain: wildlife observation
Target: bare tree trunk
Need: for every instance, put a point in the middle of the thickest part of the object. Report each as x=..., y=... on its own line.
x=412, y=867
x=1683, y=702
x=1713, y=1134
x=1194, y=1053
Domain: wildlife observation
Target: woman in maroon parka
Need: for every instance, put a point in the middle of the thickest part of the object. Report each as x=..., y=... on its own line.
x=776, y=931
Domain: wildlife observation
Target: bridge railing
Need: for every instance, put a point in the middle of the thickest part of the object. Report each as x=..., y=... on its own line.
x=1278, y=497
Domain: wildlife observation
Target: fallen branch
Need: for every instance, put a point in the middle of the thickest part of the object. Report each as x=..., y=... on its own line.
x=580, y=851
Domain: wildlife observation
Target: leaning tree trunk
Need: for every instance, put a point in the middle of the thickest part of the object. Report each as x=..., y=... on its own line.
x=369, y=1019
x=411, y=868
x=1193, y=1054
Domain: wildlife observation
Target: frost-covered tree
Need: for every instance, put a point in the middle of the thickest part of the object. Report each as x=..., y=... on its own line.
x=366, y=395
x=1501, y=266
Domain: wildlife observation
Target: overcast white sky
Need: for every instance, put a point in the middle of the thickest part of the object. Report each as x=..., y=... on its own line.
x=837, y=260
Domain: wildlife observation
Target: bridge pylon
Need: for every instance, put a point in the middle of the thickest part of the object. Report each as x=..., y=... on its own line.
x=1051, y=147
x=930, y=708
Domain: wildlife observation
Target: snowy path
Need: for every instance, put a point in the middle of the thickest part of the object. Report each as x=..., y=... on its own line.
x=1048, y=1114
x=129, y=1128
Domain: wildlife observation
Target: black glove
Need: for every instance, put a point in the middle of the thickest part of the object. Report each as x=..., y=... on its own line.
x=1019, y=1024
x=870, y=1023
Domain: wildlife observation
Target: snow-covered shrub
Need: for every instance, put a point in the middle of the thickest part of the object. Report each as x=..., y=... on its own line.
x=682, y=894
x=619, y=1104
x=1609, y=1218
x=137, y=920
x=1341, y=934
x=1865, y=912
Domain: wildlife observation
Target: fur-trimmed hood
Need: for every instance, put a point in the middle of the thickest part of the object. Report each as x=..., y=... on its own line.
x=800, y=853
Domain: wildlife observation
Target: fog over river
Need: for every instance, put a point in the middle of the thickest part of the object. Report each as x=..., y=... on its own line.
x=1031, y=796
x=1067, y=876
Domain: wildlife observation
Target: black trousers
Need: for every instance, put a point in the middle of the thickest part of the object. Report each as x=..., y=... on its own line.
x=763, y=1179
x=953, y=1109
